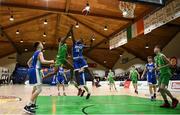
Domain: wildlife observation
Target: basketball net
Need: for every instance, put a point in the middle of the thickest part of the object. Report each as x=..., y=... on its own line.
x=127, y=9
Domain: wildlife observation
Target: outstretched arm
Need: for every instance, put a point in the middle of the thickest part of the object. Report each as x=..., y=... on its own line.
x=65, y=77
x=142, y=76
x=64, y=38
x=43, y=61
x=138, y=74
x=73, y=39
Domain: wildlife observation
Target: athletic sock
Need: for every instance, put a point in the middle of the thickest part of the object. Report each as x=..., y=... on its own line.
x=30, y=103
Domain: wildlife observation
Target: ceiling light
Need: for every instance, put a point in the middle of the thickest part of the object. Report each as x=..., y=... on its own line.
x=105, y=28
x=44, y=42
x=93, y=39
x=45, y=22
x=11, y=18
x=70, y=36
x=77, y=25
x=21, y=41
x=147, y=46
x=17, y=32
x=44, y=35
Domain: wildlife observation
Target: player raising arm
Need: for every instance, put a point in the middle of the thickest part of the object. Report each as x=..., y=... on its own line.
x=61, y=56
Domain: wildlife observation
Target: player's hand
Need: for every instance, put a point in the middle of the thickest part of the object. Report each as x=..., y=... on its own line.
x=44, y=77
x=69, y=56
x=157, y=68
x=52, y=61
x=51, y=65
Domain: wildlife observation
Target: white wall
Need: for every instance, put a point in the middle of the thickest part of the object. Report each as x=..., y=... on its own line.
x=119, y=67
x=8, y=63
x=173, y=48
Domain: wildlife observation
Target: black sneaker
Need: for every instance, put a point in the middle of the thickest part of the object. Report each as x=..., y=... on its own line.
x=165, y=105
x=88, y=95
x=34, y=106
x=158, y=90
x=28, y=109
x=136, y=91
x=154, y=96
x=82, y=94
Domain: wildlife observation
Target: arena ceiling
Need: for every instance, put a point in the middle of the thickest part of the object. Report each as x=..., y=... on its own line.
x=29, y=17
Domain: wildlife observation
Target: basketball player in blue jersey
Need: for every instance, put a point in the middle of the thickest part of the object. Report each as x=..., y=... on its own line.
x=150, y=71
x=61, y=78
x=80, y=65
x=35, y=75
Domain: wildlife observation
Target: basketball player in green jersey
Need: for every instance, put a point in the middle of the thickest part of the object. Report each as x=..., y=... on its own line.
x=163, y=65
x=111, y=80
x=61, y=56
x=134, y=76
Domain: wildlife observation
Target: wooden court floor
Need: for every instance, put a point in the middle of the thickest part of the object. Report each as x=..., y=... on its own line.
x=14, y=106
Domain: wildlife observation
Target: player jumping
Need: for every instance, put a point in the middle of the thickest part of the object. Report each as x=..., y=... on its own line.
x=61, y=56
x=80, y=64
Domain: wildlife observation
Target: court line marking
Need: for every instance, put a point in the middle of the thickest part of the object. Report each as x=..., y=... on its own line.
x=83, y=109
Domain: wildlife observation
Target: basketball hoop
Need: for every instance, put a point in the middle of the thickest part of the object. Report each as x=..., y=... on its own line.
x=127, y=9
